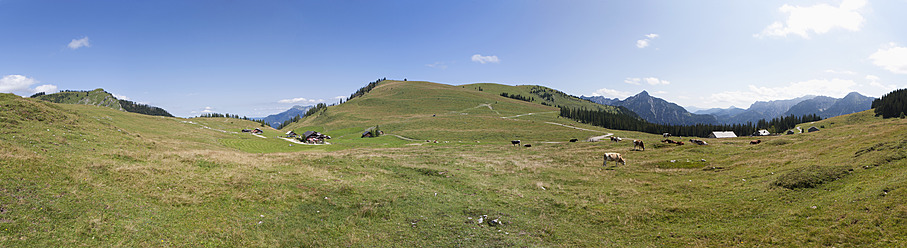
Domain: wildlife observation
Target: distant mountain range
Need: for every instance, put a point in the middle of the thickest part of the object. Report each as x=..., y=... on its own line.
x=276, y=119
x=657, y=110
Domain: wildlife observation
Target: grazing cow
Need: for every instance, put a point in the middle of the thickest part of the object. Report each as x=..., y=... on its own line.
x=669, y=141
x=616, y=139
x=612, y=156
x=665, y=135
x=698, y=142
x=515, y=142
x=527, y=145
x=639, y=144
x=679, y=143
x=755, y=142
x=573, y=140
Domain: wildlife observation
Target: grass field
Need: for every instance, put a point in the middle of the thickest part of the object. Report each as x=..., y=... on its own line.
x=75, y=175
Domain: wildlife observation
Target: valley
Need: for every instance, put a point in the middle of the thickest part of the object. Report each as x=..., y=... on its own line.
x=84, y=175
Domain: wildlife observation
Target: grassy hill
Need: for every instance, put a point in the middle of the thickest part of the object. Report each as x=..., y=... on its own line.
x=431, y=111
x=79, y=175
x=97, y=97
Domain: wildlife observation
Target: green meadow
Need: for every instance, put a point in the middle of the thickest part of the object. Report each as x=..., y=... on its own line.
x=88, y=176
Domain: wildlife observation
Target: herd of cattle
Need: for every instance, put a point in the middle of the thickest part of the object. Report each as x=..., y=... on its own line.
x=638, y=145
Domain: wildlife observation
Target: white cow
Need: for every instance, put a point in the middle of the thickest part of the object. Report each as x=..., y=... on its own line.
x=613, y=156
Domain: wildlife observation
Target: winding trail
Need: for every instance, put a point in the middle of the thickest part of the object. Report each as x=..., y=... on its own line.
x=403, y=138
x=515, y=116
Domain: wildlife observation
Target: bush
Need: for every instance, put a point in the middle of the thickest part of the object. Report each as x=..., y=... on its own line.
x=810, y=176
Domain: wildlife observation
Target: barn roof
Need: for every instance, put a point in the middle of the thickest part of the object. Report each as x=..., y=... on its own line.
x=723, y=134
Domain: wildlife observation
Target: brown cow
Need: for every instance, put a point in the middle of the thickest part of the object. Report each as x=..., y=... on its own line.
x=755, y=142
x=640, y=144
x=613, y=156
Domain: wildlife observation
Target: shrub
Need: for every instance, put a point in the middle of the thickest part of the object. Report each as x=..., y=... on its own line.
x=810, y=176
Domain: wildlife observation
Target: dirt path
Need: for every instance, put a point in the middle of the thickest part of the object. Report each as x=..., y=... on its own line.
x=515, y=116
x=590, y=139
x=259, y=135
x=403, y=138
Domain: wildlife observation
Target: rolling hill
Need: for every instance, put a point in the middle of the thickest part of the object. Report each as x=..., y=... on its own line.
x=99, y=97
x=431, y=111
x=80, y=175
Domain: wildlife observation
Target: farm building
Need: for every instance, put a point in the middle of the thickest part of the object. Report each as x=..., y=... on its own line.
x=291, y=134
x=313, y=137
x=722, y=134
x=790, y=131
x=763, y=132
x=812, y=129
x=257, y=131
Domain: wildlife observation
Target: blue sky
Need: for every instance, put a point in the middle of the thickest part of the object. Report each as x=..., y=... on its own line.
x=256, y=58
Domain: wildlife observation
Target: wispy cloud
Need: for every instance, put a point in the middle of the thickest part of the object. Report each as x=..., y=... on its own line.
x=845, y=72
x=206, y=110
x=892, y=58
x=611, y=93
x=643, y=43
x=22, y=84
x=79, y=43
x=478, y=58
x=818, y=19
x=301, y=100
x=648, y=80
x=440, y=65
x=834, y=88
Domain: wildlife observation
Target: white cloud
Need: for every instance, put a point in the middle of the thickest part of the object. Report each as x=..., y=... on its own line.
x=20, y=84
x=47, y=88
x=884, y=88
x=845, y=72
x=643, y=43
x=648, y=80
x=441, y=65
x=873, y=78
x=833, y=88
x=121, y=97
x=485, y=59
x=611, y=93
x=11, y=83
x=76, y=44
x=301, y=100
x=818, y=19
x=339, y=97
x=893, y=58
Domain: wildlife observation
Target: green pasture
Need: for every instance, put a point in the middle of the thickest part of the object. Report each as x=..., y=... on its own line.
x=75, y=175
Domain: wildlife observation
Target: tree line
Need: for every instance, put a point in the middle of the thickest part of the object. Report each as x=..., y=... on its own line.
x=311, y=111
x=518, y=97
x=134, y=107
x=617, y=121
x=893, y=104
x=218, y=115
x=366, y=89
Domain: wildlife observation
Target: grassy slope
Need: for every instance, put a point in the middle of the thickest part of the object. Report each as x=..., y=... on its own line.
x=76, y=175
x=97, y=97
x=559, y=98
x=430, y=111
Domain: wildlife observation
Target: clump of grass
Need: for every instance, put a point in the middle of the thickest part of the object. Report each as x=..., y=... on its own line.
x=810, y=176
